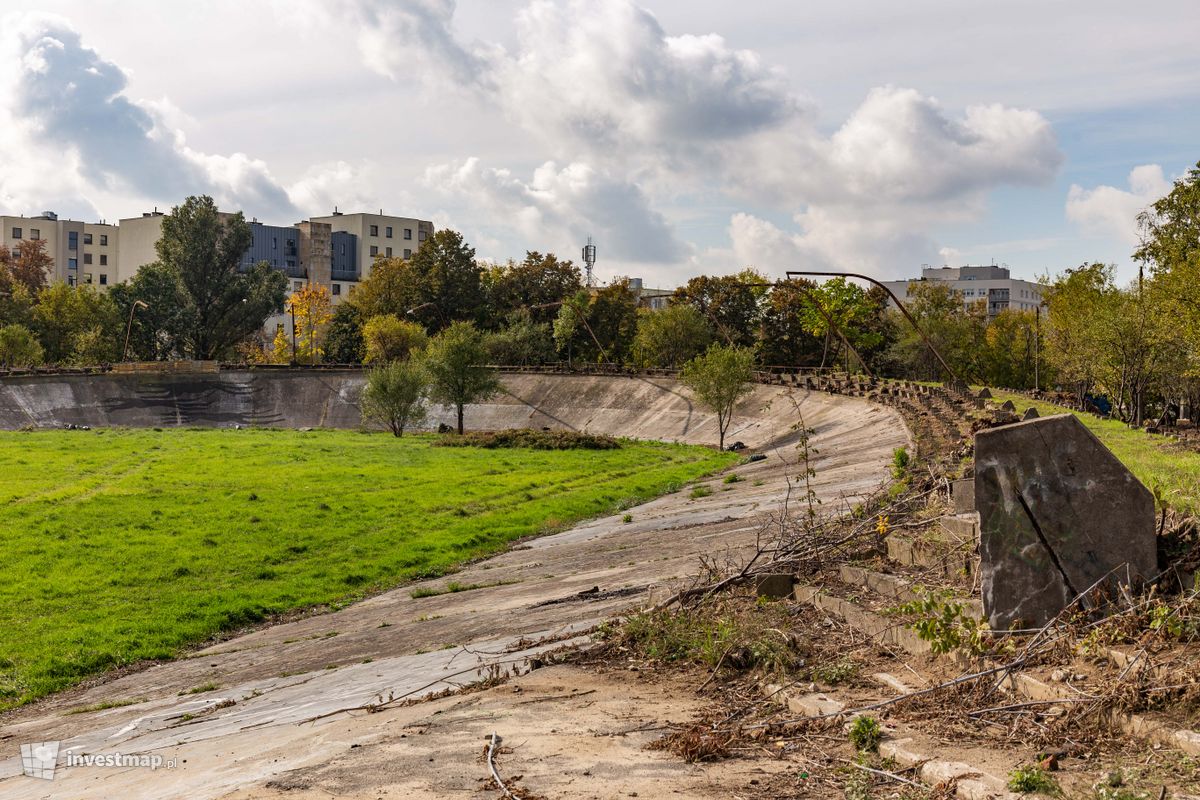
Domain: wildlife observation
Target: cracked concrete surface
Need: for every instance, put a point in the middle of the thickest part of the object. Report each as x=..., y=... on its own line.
x=280, y=676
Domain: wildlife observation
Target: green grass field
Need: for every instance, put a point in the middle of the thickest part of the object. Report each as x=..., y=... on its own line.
x=123, y=545
x=1155, y=460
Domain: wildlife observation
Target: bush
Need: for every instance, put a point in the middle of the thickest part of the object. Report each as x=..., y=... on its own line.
x=865, y=734
x=529, y=439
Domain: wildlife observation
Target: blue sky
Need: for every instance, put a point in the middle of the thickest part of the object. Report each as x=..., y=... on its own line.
x=686, y=137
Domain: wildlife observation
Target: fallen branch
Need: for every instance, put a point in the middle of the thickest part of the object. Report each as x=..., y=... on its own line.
x=492, y=766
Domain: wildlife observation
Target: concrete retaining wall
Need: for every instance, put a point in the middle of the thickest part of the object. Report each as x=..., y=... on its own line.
x=623, y=406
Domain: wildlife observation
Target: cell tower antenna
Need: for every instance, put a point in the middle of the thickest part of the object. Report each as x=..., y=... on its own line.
x=589, y=261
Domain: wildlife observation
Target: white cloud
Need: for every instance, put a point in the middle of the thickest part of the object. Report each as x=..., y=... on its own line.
x=560, y=206
x=79, y=136
x=1110, y=211
x=638, y=115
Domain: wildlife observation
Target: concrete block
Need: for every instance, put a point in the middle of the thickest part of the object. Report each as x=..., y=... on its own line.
x=1058, y=512
x=774, y=586
x=1031, y=413
x=962, y=493
x=984, y=394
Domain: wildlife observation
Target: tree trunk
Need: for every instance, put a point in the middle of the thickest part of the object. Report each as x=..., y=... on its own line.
x=460, y=419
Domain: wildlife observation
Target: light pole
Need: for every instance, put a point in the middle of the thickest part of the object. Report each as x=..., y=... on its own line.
x=129, y=326
x=412, y=312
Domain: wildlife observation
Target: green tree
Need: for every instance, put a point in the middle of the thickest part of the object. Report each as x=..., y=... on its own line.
x=77, y=323
x=1170, y=228
x=158, y=327
x=785, y=335
x=19, y=347
x=854, y=311
x=224, y=304
x=521, y=341
x=720, y=378
x=446, y=277
x=393, y=287
x=395, y=393
x=538, y=280
x=670, y=336
x=344, y=343
x=956, y=329
x=732, y=303
x=389, y=338
x=455, y=360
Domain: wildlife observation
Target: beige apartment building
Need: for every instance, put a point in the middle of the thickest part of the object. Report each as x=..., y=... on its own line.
x=83, y=252
x=378, y=236
x=992, y=285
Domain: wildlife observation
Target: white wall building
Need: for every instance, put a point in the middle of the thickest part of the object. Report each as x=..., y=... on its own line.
x=994, y=285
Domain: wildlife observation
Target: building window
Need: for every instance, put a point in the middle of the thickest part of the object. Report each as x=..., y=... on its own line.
x=104, y=240
x=72, y=240
x=274, y=242
x=407, y=253
x=87, y=277
x=16, y=253
x=16, y=233
x=374, y=250
x=104, y=259
x=388, y=231
x=408, y=233
x=389, y=252
x=336, y=290
x=420, y=236
x=297, y=286
x=72, y=263
x=35, y=234
x=103, y=279
x=87, y=238
x=374, y=230
x=70, y=280
x=87, y=258
x=343, y=249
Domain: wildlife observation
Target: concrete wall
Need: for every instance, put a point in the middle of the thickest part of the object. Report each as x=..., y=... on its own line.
x=623, y=406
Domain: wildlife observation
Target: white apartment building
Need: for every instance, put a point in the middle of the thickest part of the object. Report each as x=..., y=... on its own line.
x=83, y=252
x=994, y=285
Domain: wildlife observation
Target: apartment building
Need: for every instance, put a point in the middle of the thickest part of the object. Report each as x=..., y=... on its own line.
x=366, y=237
x=83, y=252
x=991, y=284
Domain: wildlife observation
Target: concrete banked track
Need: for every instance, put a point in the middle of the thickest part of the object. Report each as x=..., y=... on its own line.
x=280, y=676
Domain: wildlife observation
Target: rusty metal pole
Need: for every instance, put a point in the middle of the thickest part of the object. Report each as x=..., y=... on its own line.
x=899, y=305
x=829, y=321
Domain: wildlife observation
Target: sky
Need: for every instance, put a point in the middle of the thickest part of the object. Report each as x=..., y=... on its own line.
x=684, y=136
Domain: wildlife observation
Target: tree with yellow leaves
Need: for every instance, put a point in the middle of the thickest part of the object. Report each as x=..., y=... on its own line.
x=312, y=310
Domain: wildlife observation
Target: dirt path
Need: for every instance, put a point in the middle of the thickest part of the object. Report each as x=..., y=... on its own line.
x=250, y=729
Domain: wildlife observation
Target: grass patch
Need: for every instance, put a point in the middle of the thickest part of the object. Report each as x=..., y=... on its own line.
x=699, y=491
x=1153, y=459
x=453, y=587
x=530, y=439
x=102, y=706
x=124, y=545
x=1027, y=780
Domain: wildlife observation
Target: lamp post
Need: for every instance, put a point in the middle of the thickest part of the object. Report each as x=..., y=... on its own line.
x=412, y=312
x=129, y=326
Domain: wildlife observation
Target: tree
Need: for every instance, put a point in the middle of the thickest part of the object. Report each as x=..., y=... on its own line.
x=956, y=329
x=785, y=335
x=281, y=347
x=854, y=312
x=391, y=288
x=1170, y=228
x=77, y=323
x=224, y=305
x=310, y=309
x=19, y=347
x=344, y=342
x=538, y=280
x=670, y=336
x=395, y=394
x=720, y=378
x=389, y=338
x=455, y=360
x=522, y=341
x=28, y=268
x=446, y=277
x=732, y=303
x=158, y=328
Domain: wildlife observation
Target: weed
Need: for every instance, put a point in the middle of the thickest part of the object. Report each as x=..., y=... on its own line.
x=700, y=491
x=900, y=460
x=627, y=518
x=865, y=734
x=732, y=478
x=739, y=641
x=944, y=623
x=1027, y=780
x=835, y=672
x=106, y=704
x=202, y=688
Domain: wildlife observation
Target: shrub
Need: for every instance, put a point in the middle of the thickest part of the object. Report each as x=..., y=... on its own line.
x=1027, y=780
x=865, y=734
x=529, y=439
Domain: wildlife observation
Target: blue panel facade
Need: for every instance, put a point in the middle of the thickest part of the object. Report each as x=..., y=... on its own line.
x=344, y=256
x=278, y=246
